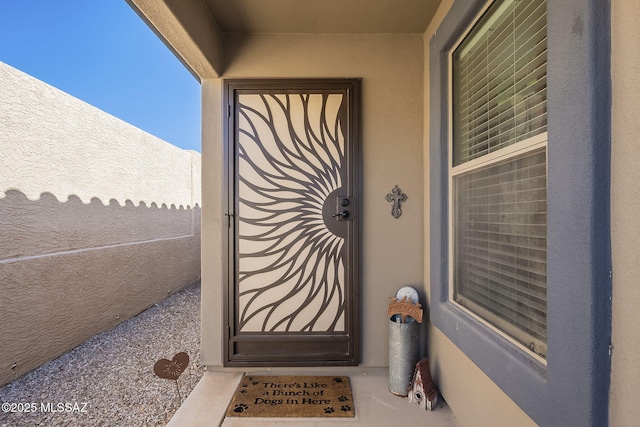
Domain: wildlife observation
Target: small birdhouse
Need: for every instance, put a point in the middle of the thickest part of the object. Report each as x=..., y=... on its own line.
x=423, y=392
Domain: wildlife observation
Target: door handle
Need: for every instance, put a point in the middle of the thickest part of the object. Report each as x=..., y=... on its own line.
x=344, y=214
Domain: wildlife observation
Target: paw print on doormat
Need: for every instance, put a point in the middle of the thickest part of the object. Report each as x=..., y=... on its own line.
x=343, y=398
x=346, y=408
x=337, y=380
x=328, y=410
x=240, y=407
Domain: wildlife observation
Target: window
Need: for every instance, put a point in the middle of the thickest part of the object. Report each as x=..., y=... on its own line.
x=498, y=171
x=566, y=386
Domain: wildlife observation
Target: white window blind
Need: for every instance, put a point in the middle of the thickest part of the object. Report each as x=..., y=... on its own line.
x=499, y=199
x=500, y=80
x=501, y=246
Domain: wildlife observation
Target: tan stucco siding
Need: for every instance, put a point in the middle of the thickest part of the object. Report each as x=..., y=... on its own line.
x=98, y=221
x=391, y=68
x=213, y=222
x=53, y=303
x=625, y=211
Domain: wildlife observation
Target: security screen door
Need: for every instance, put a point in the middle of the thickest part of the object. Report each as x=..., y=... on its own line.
x=293, y=220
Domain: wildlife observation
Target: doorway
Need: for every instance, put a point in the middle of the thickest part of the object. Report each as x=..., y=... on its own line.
x=293, y=222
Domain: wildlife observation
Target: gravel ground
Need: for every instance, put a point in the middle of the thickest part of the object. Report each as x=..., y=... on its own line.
x=110, y=377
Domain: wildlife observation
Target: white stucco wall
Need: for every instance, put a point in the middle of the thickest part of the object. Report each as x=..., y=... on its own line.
x=53, y=142
x=98, y=221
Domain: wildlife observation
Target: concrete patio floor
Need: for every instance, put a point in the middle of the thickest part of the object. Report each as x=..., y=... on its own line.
x=375, y=405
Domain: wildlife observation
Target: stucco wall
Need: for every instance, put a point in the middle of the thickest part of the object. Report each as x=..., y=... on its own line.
x=98, y=221
x=625, y=211
x=53, y=142
x=390, y=126
x=391, y=68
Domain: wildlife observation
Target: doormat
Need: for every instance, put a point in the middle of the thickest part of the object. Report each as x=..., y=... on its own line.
x=293, y=396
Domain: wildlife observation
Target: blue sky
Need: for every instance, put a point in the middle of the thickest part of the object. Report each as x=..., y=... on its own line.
x=101, y=52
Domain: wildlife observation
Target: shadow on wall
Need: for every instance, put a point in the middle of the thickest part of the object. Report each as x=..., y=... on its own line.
x=71, y=270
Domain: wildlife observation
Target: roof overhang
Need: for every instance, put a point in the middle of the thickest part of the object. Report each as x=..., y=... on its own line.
x=194, y=29
x=189, y=30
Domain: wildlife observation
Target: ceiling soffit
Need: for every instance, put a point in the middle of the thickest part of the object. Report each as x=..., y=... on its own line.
x=193, y=29
x=323, y=16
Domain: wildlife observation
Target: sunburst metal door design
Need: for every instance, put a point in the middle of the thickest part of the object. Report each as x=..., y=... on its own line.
x=293, y=238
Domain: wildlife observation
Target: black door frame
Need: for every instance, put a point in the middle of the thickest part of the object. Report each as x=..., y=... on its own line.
x=294, y=349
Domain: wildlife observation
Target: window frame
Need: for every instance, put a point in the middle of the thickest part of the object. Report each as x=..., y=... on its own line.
x=511, y=151
x=572, y=387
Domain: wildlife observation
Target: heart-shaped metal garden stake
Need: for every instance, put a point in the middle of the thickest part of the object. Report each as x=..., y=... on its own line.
x=172, y=369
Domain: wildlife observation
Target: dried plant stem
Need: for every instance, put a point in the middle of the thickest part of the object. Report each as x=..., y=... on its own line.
x=178, y=388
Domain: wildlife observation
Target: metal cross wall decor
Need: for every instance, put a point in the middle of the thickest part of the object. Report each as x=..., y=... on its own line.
x=396, y=196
